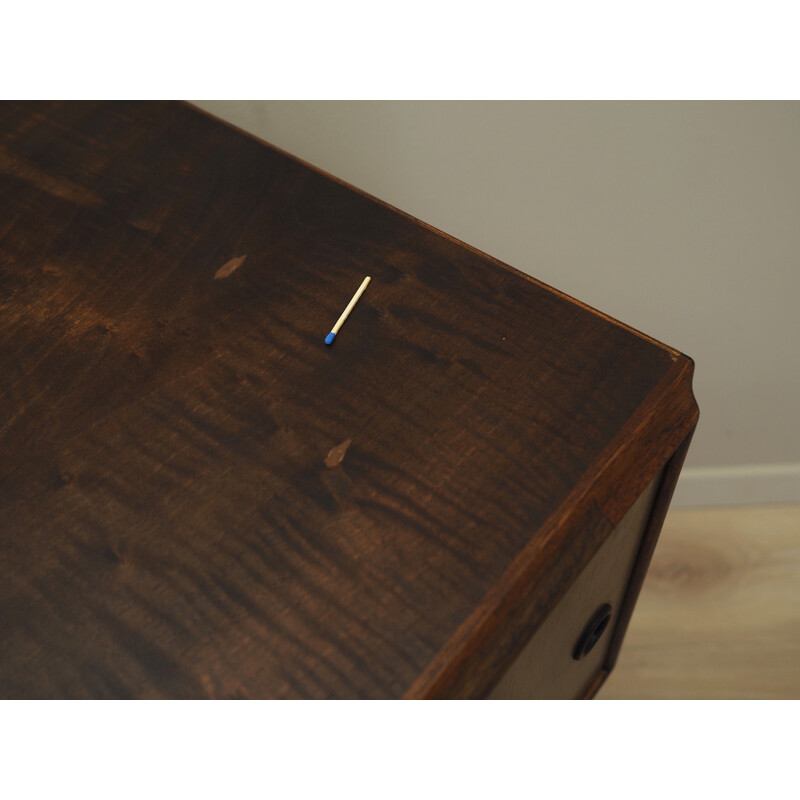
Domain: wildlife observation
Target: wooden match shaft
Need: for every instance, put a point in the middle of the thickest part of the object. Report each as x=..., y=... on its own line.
x=335, y=329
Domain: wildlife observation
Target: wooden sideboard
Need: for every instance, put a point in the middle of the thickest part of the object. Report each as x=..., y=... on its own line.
x=198, y=498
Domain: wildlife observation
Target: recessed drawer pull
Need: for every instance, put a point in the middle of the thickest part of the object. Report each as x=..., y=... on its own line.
x=592, y=632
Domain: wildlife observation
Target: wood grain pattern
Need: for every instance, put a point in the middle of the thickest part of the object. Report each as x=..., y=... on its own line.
x=719, y=613
x=170, y=526
x=498, y=629
x=546, y=669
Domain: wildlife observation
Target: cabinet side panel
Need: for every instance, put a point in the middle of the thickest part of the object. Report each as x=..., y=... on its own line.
x=648, y=545
x=546, y=669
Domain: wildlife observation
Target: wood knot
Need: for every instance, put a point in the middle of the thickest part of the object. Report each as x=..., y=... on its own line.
x=229, y=267
x=336, y=454
x=693, y=567
x=148, y=226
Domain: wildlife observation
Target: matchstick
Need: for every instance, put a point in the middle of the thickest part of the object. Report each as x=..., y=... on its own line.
x=339, y=322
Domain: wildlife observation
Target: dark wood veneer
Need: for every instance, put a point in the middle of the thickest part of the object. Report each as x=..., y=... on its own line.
x=172, y=522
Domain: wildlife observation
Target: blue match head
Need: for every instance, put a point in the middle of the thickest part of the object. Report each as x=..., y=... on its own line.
x=330, y=337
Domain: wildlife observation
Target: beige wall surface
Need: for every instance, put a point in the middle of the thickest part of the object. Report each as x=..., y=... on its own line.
x=681, y=219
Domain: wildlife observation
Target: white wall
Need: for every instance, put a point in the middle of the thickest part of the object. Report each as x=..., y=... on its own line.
x=681, y=219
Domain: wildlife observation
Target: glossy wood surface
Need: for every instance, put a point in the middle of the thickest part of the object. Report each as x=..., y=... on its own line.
x=198, y=498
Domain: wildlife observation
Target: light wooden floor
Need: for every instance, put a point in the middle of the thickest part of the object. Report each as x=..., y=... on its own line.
x=719, y=613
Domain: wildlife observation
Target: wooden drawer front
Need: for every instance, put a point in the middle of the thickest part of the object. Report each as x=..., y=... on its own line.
x=546, y=668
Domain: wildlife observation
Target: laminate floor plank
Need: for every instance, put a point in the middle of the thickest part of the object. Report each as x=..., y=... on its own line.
x=719, y=613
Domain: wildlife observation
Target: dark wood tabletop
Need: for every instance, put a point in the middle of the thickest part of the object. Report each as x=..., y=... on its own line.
x=199, y=498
